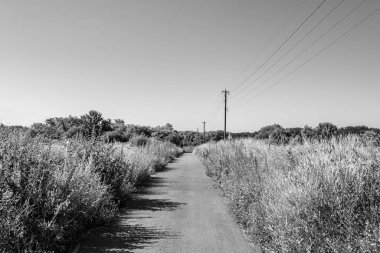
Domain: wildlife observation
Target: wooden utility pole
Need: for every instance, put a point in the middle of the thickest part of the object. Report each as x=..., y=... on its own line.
x=204, y=130
x=225, y=112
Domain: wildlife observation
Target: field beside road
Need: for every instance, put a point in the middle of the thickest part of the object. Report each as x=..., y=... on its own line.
x=319, y=196
x=52, y=191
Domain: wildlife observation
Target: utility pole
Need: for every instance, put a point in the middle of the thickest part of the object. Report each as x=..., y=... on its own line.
x=204, y=130
x=226, y=92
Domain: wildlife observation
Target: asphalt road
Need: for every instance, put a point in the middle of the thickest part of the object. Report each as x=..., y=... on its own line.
x=178, y=210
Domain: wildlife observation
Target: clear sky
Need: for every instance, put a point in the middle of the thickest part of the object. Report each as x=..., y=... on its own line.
x=150, y=62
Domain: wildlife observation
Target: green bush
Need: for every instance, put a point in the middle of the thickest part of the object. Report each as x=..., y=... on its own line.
x=322, y=196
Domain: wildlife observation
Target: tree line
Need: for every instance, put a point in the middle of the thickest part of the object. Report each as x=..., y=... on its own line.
x=94, y=125
x=276, y=134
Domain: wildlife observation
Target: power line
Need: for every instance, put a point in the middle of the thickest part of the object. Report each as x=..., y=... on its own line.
x=216, y=107
x=269, y=42
x=318, y=53
x=289, y=50
x=216, y=110
x=212, y=118
x=282, y=44
x=307, y=48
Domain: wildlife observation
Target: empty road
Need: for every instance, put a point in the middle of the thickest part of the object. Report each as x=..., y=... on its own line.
x=177, y=210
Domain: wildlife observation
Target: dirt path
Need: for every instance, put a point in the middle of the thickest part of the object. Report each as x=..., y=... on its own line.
x=178, y=211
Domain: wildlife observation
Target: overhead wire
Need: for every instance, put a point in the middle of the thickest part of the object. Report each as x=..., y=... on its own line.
x=307, y=48
x=215, y=113
x=281, y=46
x=318, y=53
x=269, y=42
x=210, y=118
x=217, y=105
x=291, y=49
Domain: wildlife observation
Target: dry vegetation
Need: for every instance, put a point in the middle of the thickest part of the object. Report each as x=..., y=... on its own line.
x=51, y=191
x=320, y=196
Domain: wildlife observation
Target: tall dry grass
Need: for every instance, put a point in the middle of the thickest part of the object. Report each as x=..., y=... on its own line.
x=316, y=197
x=50, y=192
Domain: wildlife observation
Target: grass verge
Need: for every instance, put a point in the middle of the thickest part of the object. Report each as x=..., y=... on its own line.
x=53, y=191
x=321, y=196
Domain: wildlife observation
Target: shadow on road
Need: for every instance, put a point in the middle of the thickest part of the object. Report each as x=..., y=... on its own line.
x=143, y=200
x=124, y=238
x=154, y=204
x=127, y=234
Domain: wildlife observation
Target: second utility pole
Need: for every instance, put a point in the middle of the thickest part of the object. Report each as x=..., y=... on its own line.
x=225, y=112
x=204, y=130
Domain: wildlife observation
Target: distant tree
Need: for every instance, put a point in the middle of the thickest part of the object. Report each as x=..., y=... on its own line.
x=119, y=122
x=105, y=126
x=92, y=123
x=326, y=130
x=43, y=130
x=376, y=130
x=353, y=130
x=75, y=131
x=58, y=123
x=243, y=135
x=187, y=138
x=118, y=131
x=198, y=139
x=169, y=127
x=266, y=131
x=139, y=130
x=191, y=138
x=175, y=138
x=15, y=128
x=278, y=136
x=371, y=137
x=216, y=135
x=63, y=124
x=308, y=133
x=166, y=133
x=294, y=132
x=118, y=135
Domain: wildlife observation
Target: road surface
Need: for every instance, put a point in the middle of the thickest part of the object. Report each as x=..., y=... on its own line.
x=178, y=210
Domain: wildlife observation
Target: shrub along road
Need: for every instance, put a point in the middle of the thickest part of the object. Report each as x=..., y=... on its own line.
x=177, y=210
